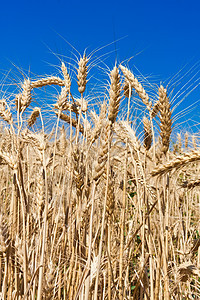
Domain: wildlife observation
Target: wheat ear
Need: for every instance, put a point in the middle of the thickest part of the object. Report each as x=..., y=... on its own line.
x=62, y=141
x=98, y=120
x=82, y=74
x=26, y=94
x=124, y=131
x=67, y=79
x=165, y=118
x=47, y=81
x=137, y=86
x=147, y=133
x=5, y=112
x=63, y=97
x=33, y=117
x=114, y=94
x=186, y=140
x=178, y=162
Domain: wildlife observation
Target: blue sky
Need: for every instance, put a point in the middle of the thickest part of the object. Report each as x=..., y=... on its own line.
x=161, y=36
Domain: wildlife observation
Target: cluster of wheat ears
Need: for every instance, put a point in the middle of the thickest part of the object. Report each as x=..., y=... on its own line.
x=93, y=211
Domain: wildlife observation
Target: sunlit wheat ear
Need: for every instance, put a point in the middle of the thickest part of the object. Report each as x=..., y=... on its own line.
x=67, y=79
x=5, y=112
x=186, y=140
x=137, y=86
x=114, y=94
x=82, y=74
x=65, y=91
x=177, y=162
x=51, y=80
x=26, y=94
x=124, y=131
x=62, y=141
x=62, y=99
x=147, y=133
x=33, y=117
x=36, y=139
x=165, y=118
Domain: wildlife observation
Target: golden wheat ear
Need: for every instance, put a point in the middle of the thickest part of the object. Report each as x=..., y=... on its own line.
x=33, y=117
x=5, y=111
x=114, y=94
x=137, y=86
x=147, y=133
x=165, y=118
x=51, y=80
x=82, y=74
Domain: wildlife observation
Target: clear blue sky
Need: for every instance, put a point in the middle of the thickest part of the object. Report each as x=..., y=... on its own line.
x=166, y=34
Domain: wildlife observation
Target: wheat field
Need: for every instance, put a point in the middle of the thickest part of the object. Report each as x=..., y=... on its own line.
x=89, y=209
